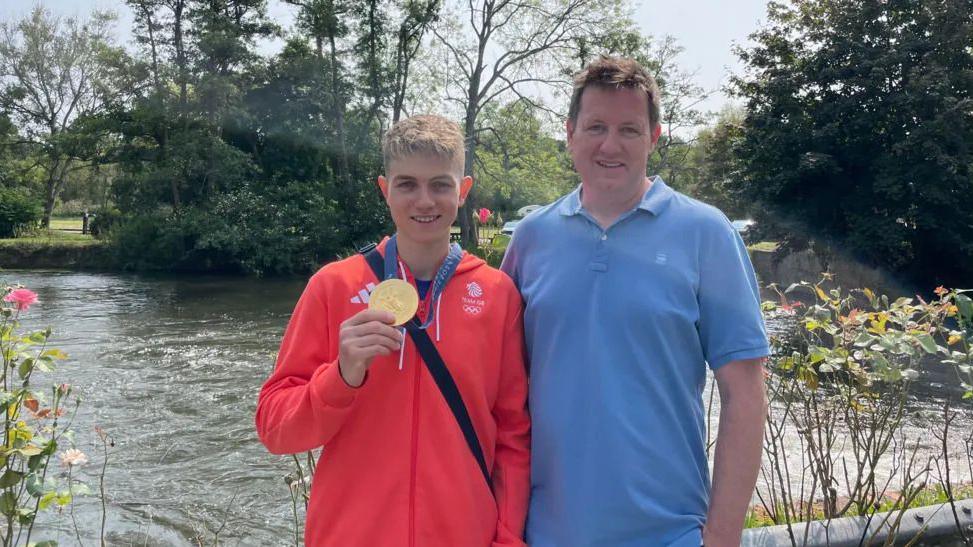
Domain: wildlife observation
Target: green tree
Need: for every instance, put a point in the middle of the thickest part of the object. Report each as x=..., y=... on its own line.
x=507, y=49
x=517, y=162
x=713, y=165
x=54, y=72
x=859, y=127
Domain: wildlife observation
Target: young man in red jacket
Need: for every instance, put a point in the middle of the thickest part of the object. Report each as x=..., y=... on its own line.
x=396, y=469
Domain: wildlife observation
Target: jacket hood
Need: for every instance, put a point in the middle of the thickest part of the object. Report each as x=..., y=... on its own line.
x=468, y=263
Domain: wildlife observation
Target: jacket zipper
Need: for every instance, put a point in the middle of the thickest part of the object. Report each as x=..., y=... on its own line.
x=417, y=371
x=415, y=450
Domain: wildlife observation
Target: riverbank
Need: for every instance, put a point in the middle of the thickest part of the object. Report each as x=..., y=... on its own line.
x=786, y=267
x=54, y=250
x=75, y=252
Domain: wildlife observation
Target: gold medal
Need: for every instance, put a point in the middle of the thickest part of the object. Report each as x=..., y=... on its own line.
x=396, y=296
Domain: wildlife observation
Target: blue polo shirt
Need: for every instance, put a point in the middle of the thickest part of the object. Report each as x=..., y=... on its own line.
x=620, y=325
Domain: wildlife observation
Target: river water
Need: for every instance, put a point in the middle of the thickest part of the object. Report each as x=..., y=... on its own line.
x=170, y=367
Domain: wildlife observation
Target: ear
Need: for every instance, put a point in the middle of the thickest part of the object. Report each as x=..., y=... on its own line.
x=656, y=133
x=569, y=128
x=465, y=186
x=383, y=185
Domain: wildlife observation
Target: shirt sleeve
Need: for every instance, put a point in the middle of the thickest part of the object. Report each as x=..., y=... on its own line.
x=510, y=262
x=511, y=466
x=305, y=401
x=731, y=326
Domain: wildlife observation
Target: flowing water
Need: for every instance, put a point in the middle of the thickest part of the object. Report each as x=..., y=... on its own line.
x=170, y=367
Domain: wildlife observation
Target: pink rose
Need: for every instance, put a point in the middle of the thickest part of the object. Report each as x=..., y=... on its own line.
x=22, y=298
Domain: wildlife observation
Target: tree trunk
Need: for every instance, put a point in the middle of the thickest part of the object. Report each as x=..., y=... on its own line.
x=468, y=228
x=55, y=183
x=339, y=112
x=177, y=12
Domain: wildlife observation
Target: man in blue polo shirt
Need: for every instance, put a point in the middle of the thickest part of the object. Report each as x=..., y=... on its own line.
x=631, y=290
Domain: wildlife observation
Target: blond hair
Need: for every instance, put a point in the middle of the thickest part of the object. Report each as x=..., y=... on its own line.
x=614, y=73
x=427, y=134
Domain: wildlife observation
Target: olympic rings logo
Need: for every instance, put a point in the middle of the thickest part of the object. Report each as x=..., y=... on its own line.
x=472, y=310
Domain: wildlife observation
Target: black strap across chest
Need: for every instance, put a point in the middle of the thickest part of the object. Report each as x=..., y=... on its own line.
x=439, y=372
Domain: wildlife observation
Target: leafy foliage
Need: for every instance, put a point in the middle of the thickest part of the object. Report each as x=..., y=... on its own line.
x=858, y=126
x=840, y=383
x=517, y=163
x=18, y=212
x=33, y=427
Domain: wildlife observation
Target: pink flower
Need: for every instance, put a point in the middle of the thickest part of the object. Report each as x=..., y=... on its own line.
x=22, y=298
x=484, y=215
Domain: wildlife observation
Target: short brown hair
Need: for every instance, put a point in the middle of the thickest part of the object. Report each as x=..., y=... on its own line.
x=427, y=134
x=614, y=73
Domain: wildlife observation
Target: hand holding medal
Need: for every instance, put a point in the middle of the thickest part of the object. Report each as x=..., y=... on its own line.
x=362, y=337
x=395, y=296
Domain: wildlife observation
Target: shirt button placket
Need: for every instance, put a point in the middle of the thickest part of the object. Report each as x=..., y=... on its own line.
x=599, y=262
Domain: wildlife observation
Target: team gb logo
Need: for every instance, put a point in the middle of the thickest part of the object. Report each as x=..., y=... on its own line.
x=473, y=303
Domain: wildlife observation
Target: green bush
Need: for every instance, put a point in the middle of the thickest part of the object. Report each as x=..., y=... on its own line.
x=73, y=208
x=17, y=212
x=490, y=254
x=102, y=221
x=293, y=227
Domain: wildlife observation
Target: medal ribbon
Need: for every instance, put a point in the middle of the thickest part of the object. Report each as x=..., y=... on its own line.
x=445, y=273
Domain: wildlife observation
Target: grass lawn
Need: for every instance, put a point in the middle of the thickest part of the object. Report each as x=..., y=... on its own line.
x=51, y=238
x=66, y=224
x=764, y=246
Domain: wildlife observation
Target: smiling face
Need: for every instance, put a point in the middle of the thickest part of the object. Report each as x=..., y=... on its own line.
x=612, y=138
x=423, y=193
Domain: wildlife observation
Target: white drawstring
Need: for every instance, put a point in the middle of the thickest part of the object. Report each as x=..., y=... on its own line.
x=438, y=302
x=402, y=330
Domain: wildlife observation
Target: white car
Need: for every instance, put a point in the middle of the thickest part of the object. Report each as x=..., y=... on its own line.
x=527, y=209
x=509, y=227
x=743, y=225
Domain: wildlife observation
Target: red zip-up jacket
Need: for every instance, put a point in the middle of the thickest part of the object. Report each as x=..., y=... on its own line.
x=395, y=470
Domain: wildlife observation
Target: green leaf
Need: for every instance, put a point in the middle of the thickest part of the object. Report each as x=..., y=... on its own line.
x=25, y=516
x=80, y=489
x=47, y=543
x=822, y=295
x=880, y=361
x=927, y=343
x=35, y=461
x=54, y=354
x=34, y=486
x=24, y=369
x=864, y=339
x=10, y=478
x=29, y=450
x=46, y=500
x=8, y=503
x=965, y=306
x=63, y=498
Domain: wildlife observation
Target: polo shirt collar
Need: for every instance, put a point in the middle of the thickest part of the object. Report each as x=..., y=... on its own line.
x=655, y=200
